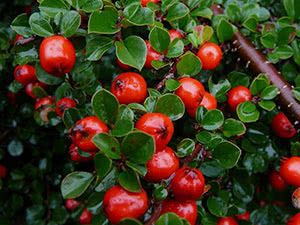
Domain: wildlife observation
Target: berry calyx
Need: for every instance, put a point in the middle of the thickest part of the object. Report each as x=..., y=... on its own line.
x=188, y=184
x=282, y=127
x=295, y=220
x=244, y=216
x=184, y=209
x=162, y=165
x=63, y=104
x=290, y=171
x=159, y=126
x=85, y=217
x=129, y=88
x=76, y=157
x=119, y=203
x=210, y=55
x=72, y=204
x=57, y=55
x=25, y=74
x=144, y=2
x=84, y=130
x=277, y=181
x=2, y=172
x=227, y=221
x=237, y=96
x=29, y=88
x=151, y=55
x=122, y=65
x=208, y=101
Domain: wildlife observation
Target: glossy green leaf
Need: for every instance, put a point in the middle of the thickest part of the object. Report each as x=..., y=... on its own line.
x=189, y=64
x=21, y=25
x=296, y=92
x=169, y=219
x=39, y=92
x=243, y=190
x=177, y=11
x=70, y=117
x=130, y=221
x=129, y=181
x=269, y=92
x=70, y=22
x=160, y=193
x=102, y=164
x=108, y=181
x=284, y=52
x=45, y=77
x=268, y=40
x=97, y=46
x=108, y=144
x=157, y=64
x=251, y=24
x=172, y=84
x=233, y=12
x=202, y=12
x=211, y=169
x=141, y=169
x=220, y=89
x=52, y=7
x=217, y=206
x=138, y=107
x=175, y=49
x=227, y=154
x=238, y=79
x=40, y=26
x=122, y=127
x=159, y=39
x=200, y=112
x=267, y=105
x=233, y=127
x=212, y=120
x=224, y=31
x=247, y=112
x=185, y=147
x=286, y=35
x=138, y=15
x=292, y=8
x=257, y=85
x=150, y=103
x=91, y=5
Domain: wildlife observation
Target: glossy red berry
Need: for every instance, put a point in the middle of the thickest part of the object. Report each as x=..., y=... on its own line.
x=49, y=100
x=25, y=74
x=295, y=220
x=188, y=184
x=237, y=96
x=151, y=55
x=29, y=88
x=72, y=204
x=18, y=38
x=76, y=157
x=296, y=198
x=227, y=221
x=129, y=88
x=191, y=92
x=277, y=181
x=84, y=130
x=244, y=216
x=2, y=172
x=184, y=209
x=210, y=55
x=57, y=55
x=122, y=65
x=174, y=34
x=145, y=2
x=290, y=171
x=85, y=217
x=119, y=203
x=208, y=101
x=63, y=104
x=159, y=126
x=282, y=127
x=162, y=165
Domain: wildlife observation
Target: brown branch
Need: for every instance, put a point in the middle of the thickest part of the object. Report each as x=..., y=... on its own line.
x=259, y=64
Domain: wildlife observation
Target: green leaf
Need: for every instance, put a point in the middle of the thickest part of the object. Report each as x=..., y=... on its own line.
x=150, y=103
x=217, y=206
x=141, y=169
x=130, y=221
x=40, y=26
x=39, y=92
x=212, y=120
x=177, y=11
x=159, y=39
x=97, y=46
x=138, y=15
x=269, y=92
x=284, y=52
x=220, y=89
x=15, y=86
x=138, y=147
x=211, y=169
x=105, y=106
x=160, y=193
x=227, y=154
x=172, y=84
x=200, y=112
x=109, y=181
x=189, y=64
x=45, y=77
x=233, y=127
x=233, y=12
x=267, y=105
x=238, y=79
x=103, y=164
x=224, y=30
x=170, y=105
x=296, y=92
x=104, y=22
x=255, y=163
x=70, y=23
x=70, y=117
x=251, y=24
x=21, y=25
x=169, y=219
x=91, y=5
x=175, y=49
x=185, y=147
x=15, y=148
x=202, y=12
x=286, y=35
x=132, y=51
x=257, y=85
x=247, y=112
x=122, y=127
x=138, y=107
x=75, y=184
x=292, y=8
x=52, y=7
x=289, y=71
x=268, y=40
x=129, y=181
x=107, y=144
x=157, y=64
x=243, y=190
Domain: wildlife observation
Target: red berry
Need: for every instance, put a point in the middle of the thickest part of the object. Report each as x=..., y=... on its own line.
x=144, y=2
x=29, y=88
x=244, y=216
x=210, y=55
x=227, y=221
x=162, y=165
x=188, y=184
x=282, y=127
x=122, y=65
x=186, y=209
x=277, y=181
x=237, y=96
x=25, y=74
x=72, y=204
x=63, y=104
x=151, y=55
x=84, y=130
x=49, y=100
x=174, y=34
x=119, y=203
x=296, y=198
x=295, y=220
x=76, y=157
x=208, y=101
x=191, y=92
x=2, y=171
x=12, y=98
x=57, y=55
x=18, y=38
x=278, y=203
x=159, y=126
x=129, y=88
x=290, y=171
x=85, y=217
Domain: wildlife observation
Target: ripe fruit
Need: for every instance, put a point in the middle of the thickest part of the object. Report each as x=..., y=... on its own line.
x=57, y=55
x=129, y=88
x=244, y=216
x=277, y=181
x=64, y=104
x=76, y=157
x=162, y=165
x=29, y=88
x=2, y=171
x=296, y=198
x=25, y=74
x=191, y=92
x=151, y=55
x=72, y=204
x=185, y=209
x=85, y=217
x=119, y=203
x=122, y=65
x=210, y=55
x=144, y=2
x=290, y=171
x=18, y=38
x=84, y=130
x=295, y=220
x=208, y=101
x=282, y=127
x=237, y=96
x=227, y=221
x=174, y=34
x=188, y=184
x=49, y=100
x=159, y=126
